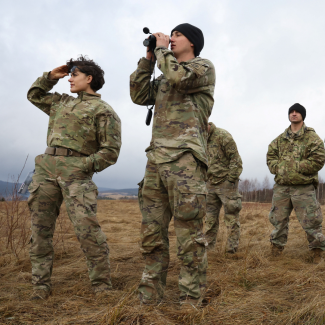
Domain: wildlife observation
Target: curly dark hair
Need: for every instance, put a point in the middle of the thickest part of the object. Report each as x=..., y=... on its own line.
x=90, y=68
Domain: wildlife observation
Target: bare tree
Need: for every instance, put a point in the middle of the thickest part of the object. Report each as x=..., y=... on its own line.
x=266, y=183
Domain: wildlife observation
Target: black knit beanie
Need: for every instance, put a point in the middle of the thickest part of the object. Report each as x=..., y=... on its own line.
x=193, y=34
x=298, y=108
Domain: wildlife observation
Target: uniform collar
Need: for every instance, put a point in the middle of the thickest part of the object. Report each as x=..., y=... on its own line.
x=86, y=96
x=289, y=134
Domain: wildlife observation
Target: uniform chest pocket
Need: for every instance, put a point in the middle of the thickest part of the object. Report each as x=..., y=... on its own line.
x=84, y=117
x=81, y=111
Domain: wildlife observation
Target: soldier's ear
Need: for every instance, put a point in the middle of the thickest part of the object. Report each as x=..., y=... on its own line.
x=89, y=79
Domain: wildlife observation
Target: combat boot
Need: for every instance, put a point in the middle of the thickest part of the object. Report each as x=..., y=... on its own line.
x=40, y=294
x=276, y=250
x=317, y=255
x=102, y=290
x=144, y=301
x=189, y=304
x=232, y=251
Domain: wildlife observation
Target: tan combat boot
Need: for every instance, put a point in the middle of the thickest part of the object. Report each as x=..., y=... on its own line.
x=232, y=251
x=190, y=304
x=317, y=255
x=102, y=290
x=40, y=294
x=145, y=301
x=276, y=250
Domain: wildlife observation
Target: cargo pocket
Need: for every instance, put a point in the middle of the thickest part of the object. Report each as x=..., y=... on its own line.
x=272, y=215
x=100, y=237
x=190, y=200
x=83, y=195
x=314, y=216
x=230, y=186
x=234, y=204
x=151, y=236
x=33, y=191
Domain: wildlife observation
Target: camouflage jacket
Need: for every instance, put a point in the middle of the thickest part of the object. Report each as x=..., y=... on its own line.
x=224, y=160
x=295, y=159
x=85, y=124
x=183, y=96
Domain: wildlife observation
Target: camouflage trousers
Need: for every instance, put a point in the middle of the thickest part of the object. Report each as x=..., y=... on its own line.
x=178, y=189
x=225, y=194
x=59, y=178
x=301, y=198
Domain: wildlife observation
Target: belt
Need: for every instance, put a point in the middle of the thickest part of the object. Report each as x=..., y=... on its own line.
x=57, y=151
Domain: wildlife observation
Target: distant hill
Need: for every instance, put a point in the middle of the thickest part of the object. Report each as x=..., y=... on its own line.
x=123, y=191
x=7, y=187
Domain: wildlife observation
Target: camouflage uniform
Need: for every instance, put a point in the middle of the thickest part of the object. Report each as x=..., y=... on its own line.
x=90, y=127
x=174, y=182
x=295, y=159
x=225, y=167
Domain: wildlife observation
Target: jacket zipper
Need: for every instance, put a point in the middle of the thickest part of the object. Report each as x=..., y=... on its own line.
x=77, y=103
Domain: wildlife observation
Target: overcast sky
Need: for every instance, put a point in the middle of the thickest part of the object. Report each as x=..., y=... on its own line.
x=268, y=55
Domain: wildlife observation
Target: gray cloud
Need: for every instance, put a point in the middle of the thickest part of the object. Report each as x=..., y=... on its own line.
x=268, y=55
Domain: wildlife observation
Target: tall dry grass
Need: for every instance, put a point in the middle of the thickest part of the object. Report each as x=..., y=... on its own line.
x=15, y=223
x=250, y=287
x=14, y=233
x=14, y=230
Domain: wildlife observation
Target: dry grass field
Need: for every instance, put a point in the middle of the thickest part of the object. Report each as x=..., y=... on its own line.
x=248, y=288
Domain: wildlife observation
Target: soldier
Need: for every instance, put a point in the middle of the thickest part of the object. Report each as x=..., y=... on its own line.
x=84, y=136
x=295, y=157
x=225, y=167
x=175, y=176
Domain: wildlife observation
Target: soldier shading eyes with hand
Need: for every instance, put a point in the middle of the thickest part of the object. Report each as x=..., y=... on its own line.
x=84, y=136
x=295, y=157
x=175, y=175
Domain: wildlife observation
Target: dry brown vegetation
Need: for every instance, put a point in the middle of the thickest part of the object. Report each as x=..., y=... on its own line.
x=248, y=288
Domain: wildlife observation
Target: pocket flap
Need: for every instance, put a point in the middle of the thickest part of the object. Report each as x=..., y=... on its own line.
x=197, y=187
x=234, y=196
x=100, y=237
x=313, y=208
x=33, y=187
x=78, y=188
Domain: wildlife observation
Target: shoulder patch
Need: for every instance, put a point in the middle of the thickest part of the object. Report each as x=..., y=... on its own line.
x=198, y=67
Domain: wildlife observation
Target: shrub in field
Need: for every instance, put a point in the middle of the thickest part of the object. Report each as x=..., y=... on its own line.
x=14, y=221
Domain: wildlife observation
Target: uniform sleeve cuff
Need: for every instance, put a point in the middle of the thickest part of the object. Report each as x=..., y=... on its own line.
x=47, y=83
x=145, y=65
x=162, y=50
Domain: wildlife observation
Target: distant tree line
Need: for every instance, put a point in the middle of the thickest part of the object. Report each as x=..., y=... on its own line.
x=254, y=191
x=120, y=198
x=104, y=198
